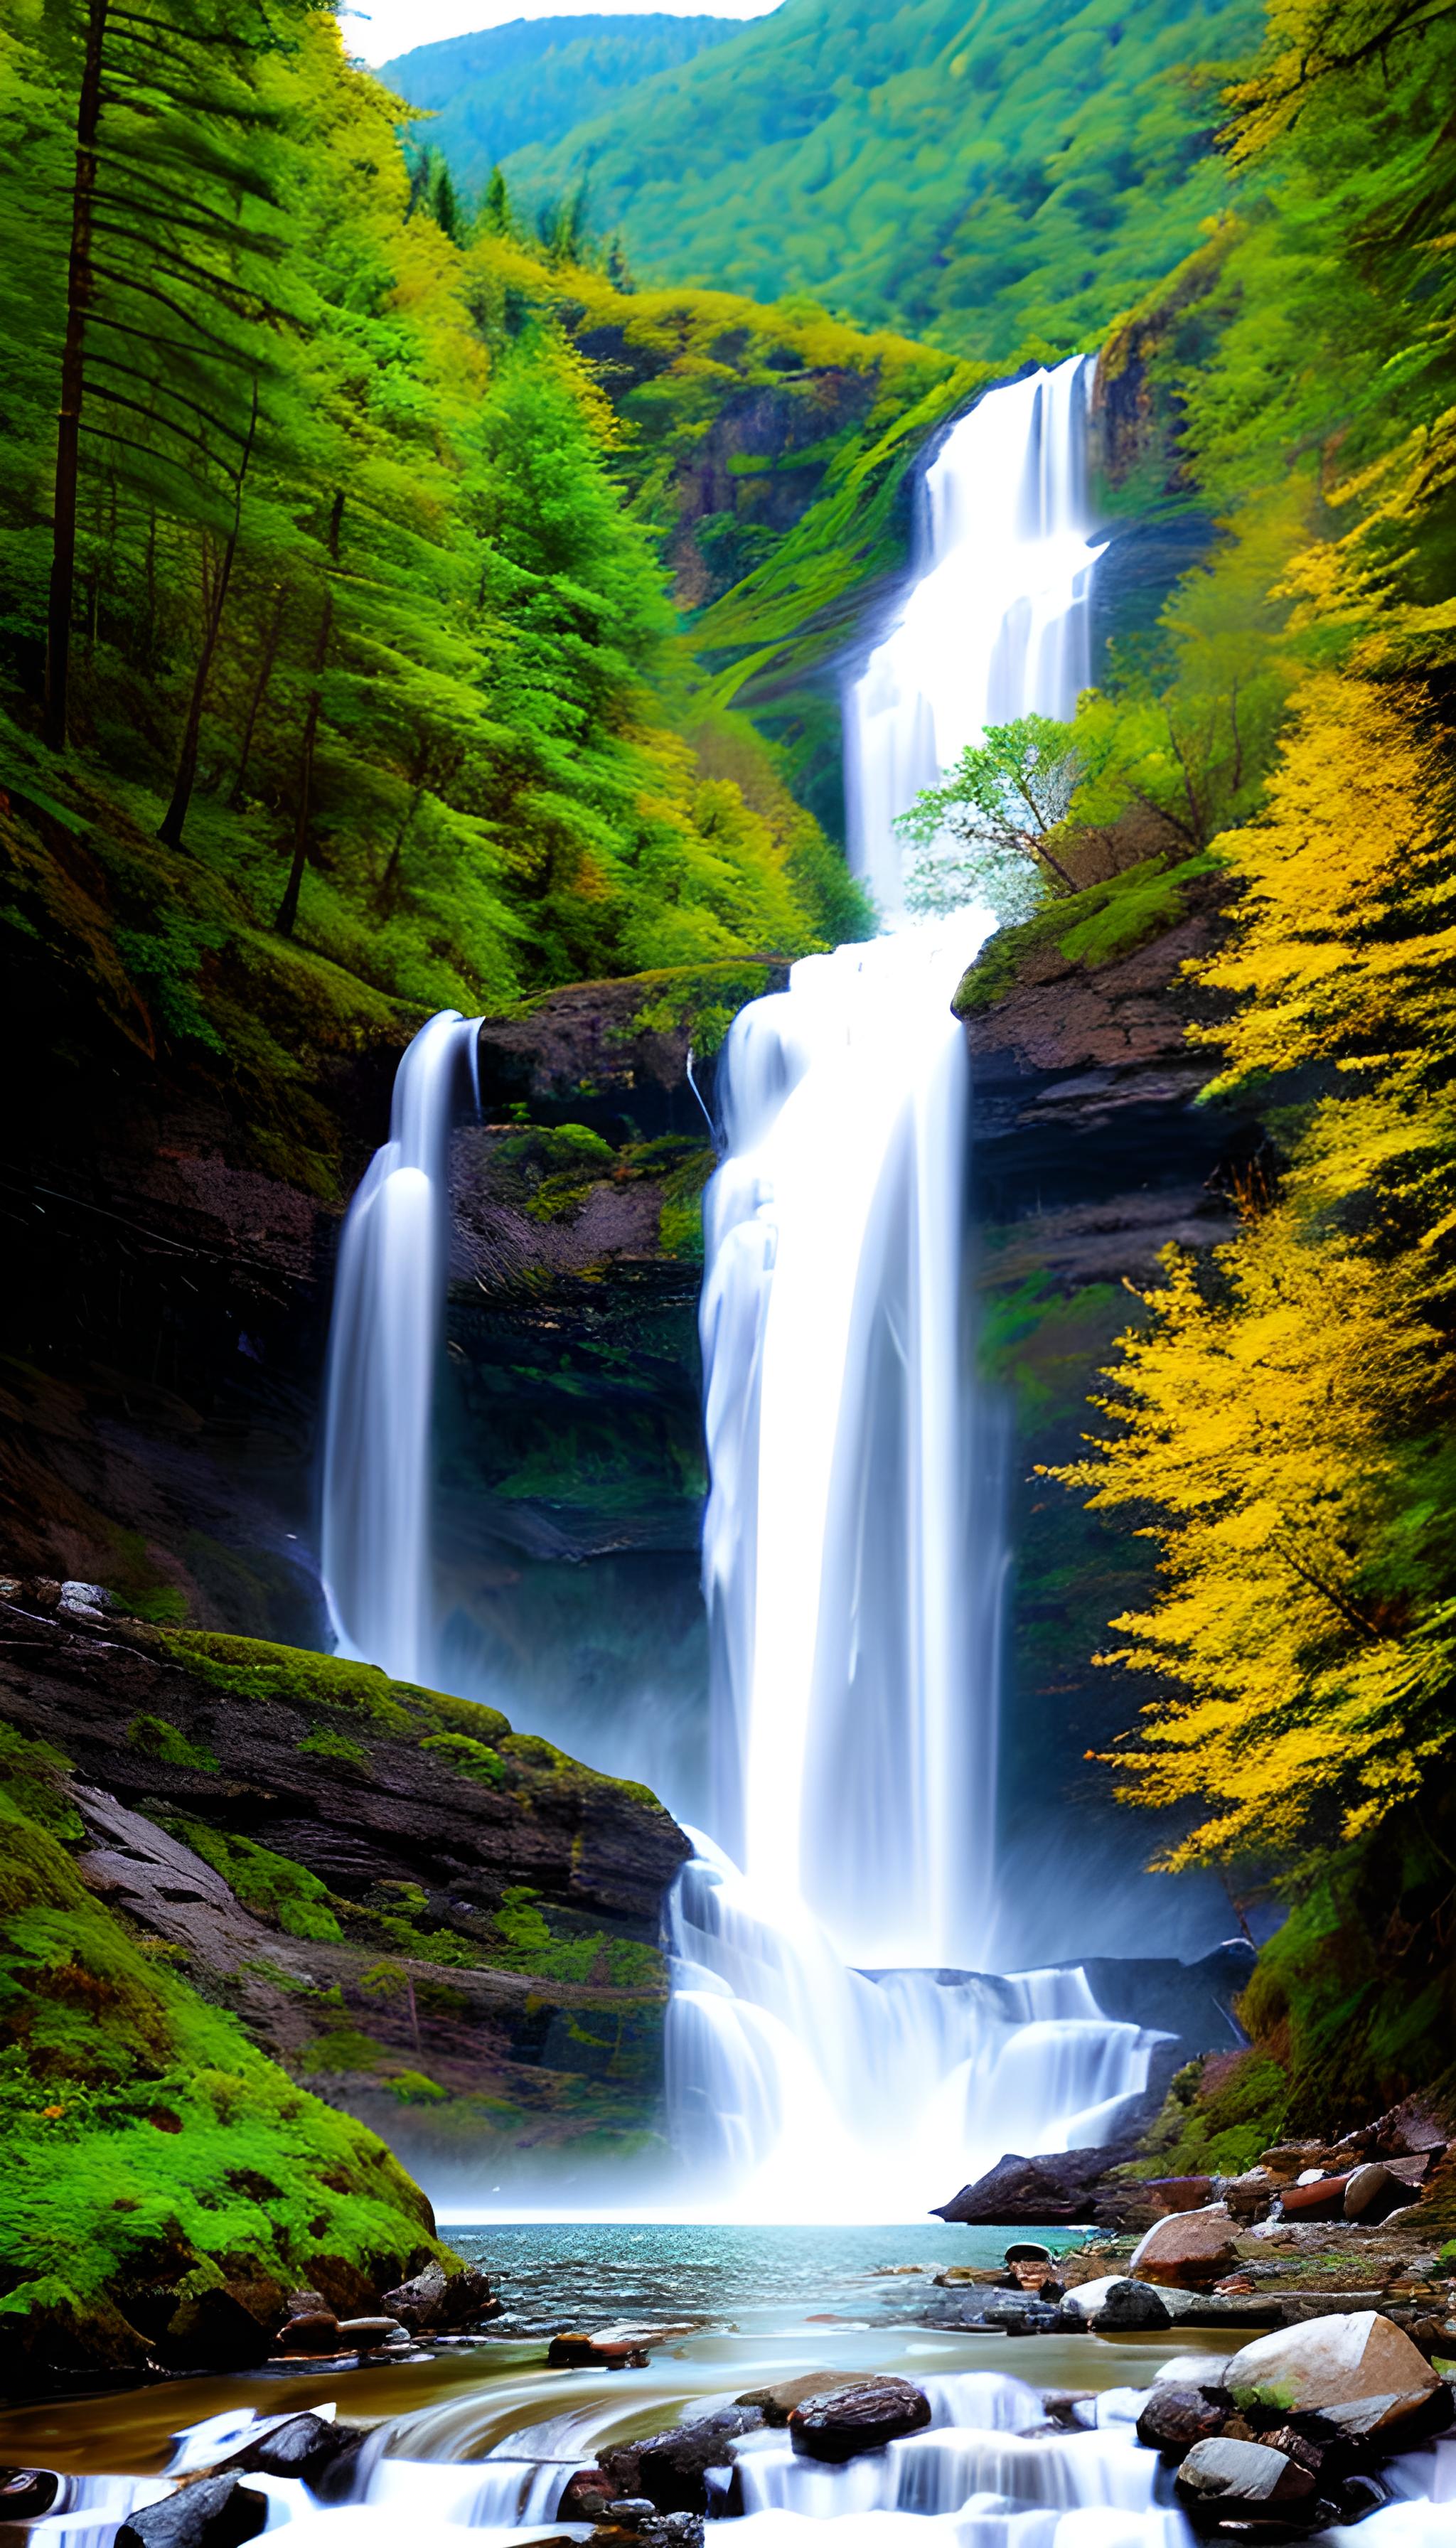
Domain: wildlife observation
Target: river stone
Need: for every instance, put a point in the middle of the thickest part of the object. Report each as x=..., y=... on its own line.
x=362, y=2334
x=313, y=2332
x=1372, y=2191
x=304, y=2447
x=778, y=2402
x=216, y=2513
x=1131, y=2305
x=1188, y=2247
x=1227, y=2479
x=861, y=2416
x=671, y=2469
x=1360, y=2373
x=1174, y=2419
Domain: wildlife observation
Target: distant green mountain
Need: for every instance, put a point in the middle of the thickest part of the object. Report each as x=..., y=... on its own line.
x=975, y=172
x=531, y=81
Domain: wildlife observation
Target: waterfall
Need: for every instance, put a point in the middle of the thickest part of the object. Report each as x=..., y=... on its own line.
x=383, y=1342
x=854, y=1546
x=996, y=622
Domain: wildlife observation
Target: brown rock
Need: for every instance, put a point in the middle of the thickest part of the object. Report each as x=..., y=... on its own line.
x=1323, y=2200
x=671, y=2469
x=1357, y=2372
x=861, y=2416
x=1188, y=2248
x=363, y=2334
x=1175, y=2419
x=776, y=2403
x=313, y=2332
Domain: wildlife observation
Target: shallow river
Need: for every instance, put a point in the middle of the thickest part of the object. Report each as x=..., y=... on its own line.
x=483, y=2437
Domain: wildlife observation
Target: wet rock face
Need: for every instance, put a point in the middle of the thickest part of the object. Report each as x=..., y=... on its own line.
x=1175, y=2419
x=216, y=2513
x=671, y=2469
x=860, y=2416
x=1227, y=2479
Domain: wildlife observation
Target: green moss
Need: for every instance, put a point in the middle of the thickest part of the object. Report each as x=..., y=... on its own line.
x=1084, y=930
x=273, y=1888
x=343, y=2049
x=247, y=1670
x=412, y=2088
x=33, y=1776
x=329, y=1746
x=164, y=1742
x=468, y=1758
x=143, y=2139
x=1221, y=2133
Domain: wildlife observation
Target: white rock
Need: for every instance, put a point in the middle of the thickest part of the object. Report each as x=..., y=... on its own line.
x=1359, y=2371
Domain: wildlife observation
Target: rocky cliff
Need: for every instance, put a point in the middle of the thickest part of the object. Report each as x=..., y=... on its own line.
x=1092, y=1150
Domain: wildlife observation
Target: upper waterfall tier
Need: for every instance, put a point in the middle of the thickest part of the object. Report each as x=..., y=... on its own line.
x=995, y=624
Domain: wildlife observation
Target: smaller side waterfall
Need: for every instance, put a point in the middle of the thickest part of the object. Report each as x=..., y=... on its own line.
x=382, y=1342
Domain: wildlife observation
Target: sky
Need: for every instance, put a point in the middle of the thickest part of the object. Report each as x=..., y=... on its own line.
x=388, y=28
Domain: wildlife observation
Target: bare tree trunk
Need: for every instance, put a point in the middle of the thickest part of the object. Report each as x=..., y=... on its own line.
x=268, y=658
x=79, y=288
x=169, y=829
x=287, y=909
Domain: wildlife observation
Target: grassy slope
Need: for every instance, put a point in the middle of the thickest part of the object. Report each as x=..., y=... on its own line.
x=509, y=86
x=165, y=2184
x=977, y=176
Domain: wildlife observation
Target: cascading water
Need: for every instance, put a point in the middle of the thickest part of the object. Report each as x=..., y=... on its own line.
x=853, y=1550
x=996, y=623
x=383, y=1342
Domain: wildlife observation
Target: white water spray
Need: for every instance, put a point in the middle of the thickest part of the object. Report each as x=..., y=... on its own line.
x=853, y=1550
x=383, y=1342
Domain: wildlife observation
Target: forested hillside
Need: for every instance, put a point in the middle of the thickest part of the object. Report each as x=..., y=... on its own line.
x=341, y=664
x=531, y=81
x=982, y=177
x=1279, y=1420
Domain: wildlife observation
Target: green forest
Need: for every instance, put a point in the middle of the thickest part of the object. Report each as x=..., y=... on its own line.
x=527, y=83
x=990, y=179
x=425, y=583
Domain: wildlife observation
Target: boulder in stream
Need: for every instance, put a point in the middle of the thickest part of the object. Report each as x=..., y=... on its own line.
x=212, y=2513
x=859, y=2416
x=1229, y=2481
x=1359, y=2373
x=1175, y=2420
x=671, y=2469
x=1188, y=2248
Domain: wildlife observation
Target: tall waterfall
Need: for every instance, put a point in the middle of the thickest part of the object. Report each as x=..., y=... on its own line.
x=996, y=624
x=853, y=1550
x=383, y=1342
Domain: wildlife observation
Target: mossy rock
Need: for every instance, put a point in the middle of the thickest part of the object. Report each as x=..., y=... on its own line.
x=1083, y=932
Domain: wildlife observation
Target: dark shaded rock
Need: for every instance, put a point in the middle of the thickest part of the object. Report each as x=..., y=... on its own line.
x=27, y=2493
x=1358, y=2495
x=423, y=2300
x=671, y=2468
x=1056, y=2188
x=215, y=2513
x=316, y=2330
x=586, y=2496
x=861, y=2416
x=1131, y=2305
x=1019, y=2313
x=217, y=2330
x=1174, y=2419
x=306, y=2447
